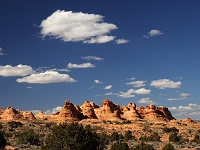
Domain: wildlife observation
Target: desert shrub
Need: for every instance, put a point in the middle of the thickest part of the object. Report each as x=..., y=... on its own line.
x=143, y=146
x=126, y=122
x=153, y=137
x=114, y=136
x=103, y=139
x=196, y=139
x=119, y=146
x=14, y=124
x=168, y=146
x=29, y=137
x=1, y=126
x=50, y=124
x=174, y=137
x=128, y=136
x=71, y=136
x=167, y=130
x=2, y=140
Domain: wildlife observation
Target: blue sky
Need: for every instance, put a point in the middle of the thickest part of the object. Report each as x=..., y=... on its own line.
x=137, y=51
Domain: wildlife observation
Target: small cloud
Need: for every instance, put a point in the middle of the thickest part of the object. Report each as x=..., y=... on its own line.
x=92, y=58
x=108, y=87
x=183, y=96
x=132, y=78
x=47, y=77
x=146, y=101
x=19, y=70
x=53, y=110
x=128, y=94
x=153, y=33
x=84, y=65
x=97, y=82
x=29, y=87
x=142, y=91
x=121, y=41
x=61, y=70
x=137, y=83
x=110, y=93
x=1, y=52
x=77, y=26
x=165, y=83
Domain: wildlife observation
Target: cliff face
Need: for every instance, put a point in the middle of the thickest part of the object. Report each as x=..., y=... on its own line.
x=108, y=111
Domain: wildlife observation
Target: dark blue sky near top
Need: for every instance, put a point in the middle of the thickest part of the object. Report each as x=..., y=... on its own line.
x=170, y=56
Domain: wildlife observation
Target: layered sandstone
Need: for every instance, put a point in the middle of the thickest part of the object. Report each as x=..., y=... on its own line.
x=108, y=111
x=88, y=110
x=130, y=112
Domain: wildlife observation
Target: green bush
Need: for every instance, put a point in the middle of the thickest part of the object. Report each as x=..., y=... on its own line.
x=143, y=146
x=114, y=136
x=128, y=136
x=153, y=137
x=71, y=136
x=196, y=139
x=103, y=139
x=167, y=130
x=1, y=126
x=119, y=146
x=29, y=137
x=168, y=146
x=14, y=124
x=2, y=140
x=174, y=137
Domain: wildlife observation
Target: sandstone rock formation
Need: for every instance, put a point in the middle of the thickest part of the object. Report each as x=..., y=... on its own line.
x=108, y=111
x=88, y=110
x=69, y=112
x=130, y=112
x=27, y=115
x=188, y=121
x=11, y=114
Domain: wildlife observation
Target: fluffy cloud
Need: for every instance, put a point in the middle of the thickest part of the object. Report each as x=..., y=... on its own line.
x=182, y=96
x=110, y=93
x=137, y=83
x=77, y=26
x=84, y=65
x=153, y=33
x=97, y=82
x=53, y=110
x=100, y=39
x=91, y=58
x=47, y=77
x=1, y=51
x=19, y=70
x=130, y=93
x=108, y=87
x=121, y=41
x=61, y=70
x=165, y=83
x=192, y=110
x=146, y=101
x=142, y=91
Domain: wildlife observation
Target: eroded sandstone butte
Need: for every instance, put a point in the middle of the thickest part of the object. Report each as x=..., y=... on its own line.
x=107, y=111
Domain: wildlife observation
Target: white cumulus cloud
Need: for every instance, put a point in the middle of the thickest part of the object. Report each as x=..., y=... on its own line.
x=152, y=33
x=137, y=83
x=142, y=91
x=47, y=77
x=121, y=41
x=84, y=65
x=182, y=96
x=97, y=82
x=92, y=58
x=146, y=101
x=19, y=70
x=108, y=87
x=165, y=83
x=128, y=94
x=77, y=26
x=1, y=51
